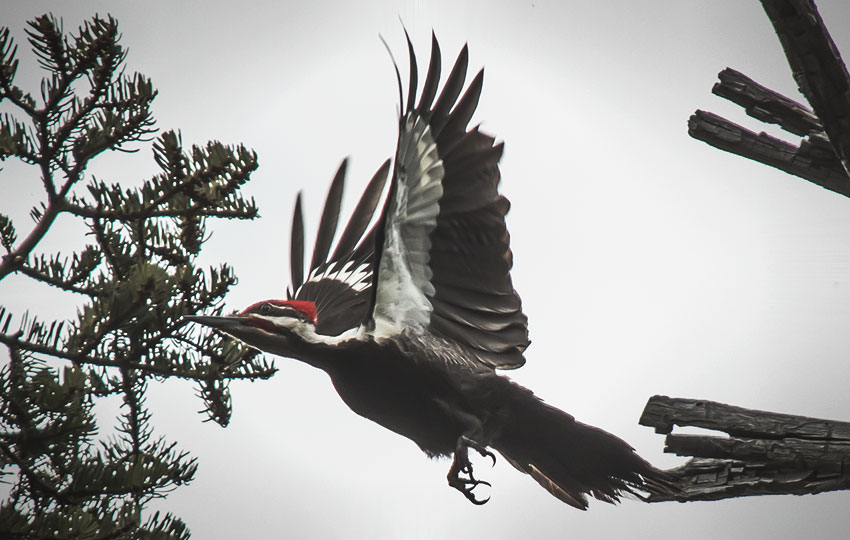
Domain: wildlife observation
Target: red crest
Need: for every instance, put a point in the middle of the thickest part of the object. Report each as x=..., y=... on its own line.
x=306, y=307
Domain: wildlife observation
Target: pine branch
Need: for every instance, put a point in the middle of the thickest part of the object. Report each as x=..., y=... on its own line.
x=165, y=527
x=8, y=235
x=8, y=69
x=16, y=141
x=32, y=476
x=140, y=279
x=164, y=367
x=199, y=210
x=58, y=273
x=134, y=423
x=50, y=46
x=15, y=259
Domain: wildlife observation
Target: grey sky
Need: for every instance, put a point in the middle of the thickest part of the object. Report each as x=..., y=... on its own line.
x=648, y=263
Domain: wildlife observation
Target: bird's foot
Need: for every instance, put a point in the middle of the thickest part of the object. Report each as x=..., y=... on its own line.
x=462, y=466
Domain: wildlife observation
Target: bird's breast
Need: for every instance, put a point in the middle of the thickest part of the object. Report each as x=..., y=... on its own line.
x=417, y=400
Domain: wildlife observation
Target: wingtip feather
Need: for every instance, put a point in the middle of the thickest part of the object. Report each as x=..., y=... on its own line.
x=296, y=246
x=414, y=73
x=362, y=214
x=330, y=217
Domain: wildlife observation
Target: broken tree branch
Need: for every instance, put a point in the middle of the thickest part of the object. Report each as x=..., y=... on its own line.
x=812, y=160
x=765, y=452
x=822, y=156
x=766, y=105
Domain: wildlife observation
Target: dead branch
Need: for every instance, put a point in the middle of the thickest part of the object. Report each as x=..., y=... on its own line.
x=766, y=105
x=764, y=453
x=822, y=156
x=816, y=65
x=811, y=160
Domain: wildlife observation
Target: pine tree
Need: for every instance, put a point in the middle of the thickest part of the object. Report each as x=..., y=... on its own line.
x=136, y=278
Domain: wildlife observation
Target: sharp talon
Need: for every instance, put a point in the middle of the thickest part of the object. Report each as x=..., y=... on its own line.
x=482, y=450
x=462, y=465
x=467, y=491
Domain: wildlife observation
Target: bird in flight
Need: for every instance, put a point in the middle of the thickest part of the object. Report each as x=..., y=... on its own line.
x=413, y=316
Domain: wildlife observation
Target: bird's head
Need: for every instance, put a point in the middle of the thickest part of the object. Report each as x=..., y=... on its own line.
x=271, y=325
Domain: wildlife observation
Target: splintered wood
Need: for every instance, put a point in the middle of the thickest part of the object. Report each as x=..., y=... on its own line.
x=823, y=155
x=764, y=452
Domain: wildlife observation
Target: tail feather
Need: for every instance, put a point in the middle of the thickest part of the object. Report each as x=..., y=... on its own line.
x=548, y=484
x=572, y=460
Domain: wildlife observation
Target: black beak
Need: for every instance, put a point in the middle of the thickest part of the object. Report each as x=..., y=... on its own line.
x=220, y=323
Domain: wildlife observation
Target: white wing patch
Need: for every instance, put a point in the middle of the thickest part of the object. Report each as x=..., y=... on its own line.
x=357, y=277
x=401, y=301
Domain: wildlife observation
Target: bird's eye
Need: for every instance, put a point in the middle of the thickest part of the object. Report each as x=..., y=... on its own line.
x=266, y=308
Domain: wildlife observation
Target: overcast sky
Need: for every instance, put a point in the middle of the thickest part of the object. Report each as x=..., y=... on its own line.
x=648, y=262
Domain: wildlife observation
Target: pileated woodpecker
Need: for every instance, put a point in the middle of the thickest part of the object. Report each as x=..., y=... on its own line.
x=412, y=319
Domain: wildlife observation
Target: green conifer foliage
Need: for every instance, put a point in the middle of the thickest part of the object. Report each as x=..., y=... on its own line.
x=136, y=279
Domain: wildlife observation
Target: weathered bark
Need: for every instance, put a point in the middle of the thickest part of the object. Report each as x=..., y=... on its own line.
x=766, y=105
x=822, y=156
x=765, y=452
x=813, y=160
x=816, y=65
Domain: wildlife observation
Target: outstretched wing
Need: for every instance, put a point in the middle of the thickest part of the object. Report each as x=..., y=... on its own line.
x=445, y=260
x=339, y=283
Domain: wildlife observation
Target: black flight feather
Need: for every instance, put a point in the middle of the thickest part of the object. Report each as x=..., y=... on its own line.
x=464, y=109
x=414, y=74
x=362, y=214
x=451, y=90
x=432, y=79
x=397, y=76
x=330, y=218
x=296, y=246
x=489, y=301
x=487, y=321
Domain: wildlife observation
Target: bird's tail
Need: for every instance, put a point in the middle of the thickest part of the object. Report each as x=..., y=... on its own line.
x=570, y=459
